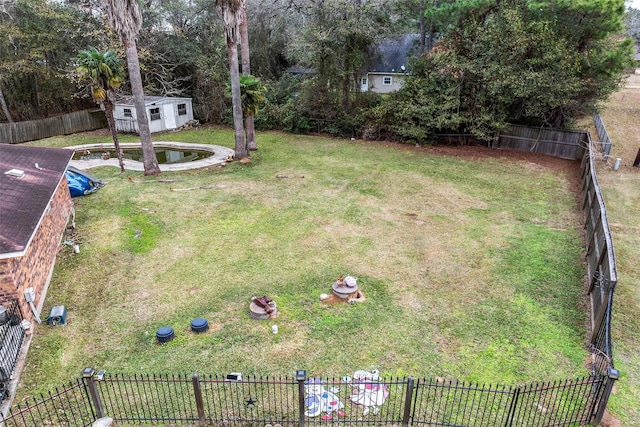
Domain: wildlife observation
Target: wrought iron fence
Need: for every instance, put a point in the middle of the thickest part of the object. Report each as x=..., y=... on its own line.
x=68, y=406
x=11, y=337
x=300, y=401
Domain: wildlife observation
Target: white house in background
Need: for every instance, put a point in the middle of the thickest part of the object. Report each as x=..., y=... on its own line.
x=382, y=82
x=386, y=70
x=164, y=113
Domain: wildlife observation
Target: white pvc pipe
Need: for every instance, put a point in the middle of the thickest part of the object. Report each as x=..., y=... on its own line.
x=617, y=164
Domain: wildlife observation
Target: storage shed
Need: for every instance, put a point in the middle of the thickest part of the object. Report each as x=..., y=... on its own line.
x=164, y=113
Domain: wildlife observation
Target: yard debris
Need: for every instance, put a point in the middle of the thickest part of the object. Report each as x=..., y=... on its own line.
x=287, y=176
x=198, y=188
x=191, y=124
x=144, y=181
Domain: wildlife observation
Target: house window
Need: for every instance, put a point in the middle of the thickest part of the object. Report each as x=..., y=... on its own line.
x=387, y=80
x=182, y=109
x=155, y=113
x=127, y=112
x=363, y=81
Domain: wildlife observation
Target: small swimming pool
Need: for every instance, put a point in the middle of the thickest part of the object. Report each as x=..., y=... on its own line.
x=172, y=156
x=165, y=156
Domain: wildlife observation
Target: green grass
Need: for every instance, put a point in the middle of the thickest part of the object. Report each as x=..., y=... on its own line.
x=471, y=268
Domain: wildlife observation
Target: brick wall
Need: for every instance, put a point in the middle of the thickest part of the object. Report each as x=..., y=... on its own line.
x=35, y=267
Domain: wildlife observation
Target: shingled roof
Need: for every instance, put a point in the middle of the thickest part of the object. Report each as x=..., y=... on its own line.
x=24, y=200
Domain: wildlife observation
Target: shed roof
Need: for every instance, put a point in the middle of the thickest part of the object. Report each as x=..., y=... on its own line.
x=24, y=200
x=150, y=100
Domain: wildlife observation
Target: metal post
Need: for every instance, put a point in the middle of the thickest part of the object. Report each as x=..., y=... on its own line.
x=90, y=383
x=197, y=391
x=301, y=376
x=512, y=408
x=407, y=402
x=613, y=375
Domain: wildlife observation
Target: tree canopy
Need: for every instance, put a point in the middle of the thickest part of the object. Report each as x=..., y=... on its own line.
x=481, y=63
x=518, y=61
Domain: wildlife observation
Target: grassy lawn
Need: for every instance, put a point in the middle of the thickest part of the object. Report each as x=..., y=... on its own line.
x=621, y=191
x=470, y=264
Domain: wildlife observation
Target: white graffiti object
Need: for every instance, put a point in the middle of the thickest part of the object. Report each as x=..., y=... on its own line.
x=369, y=391
x=319, y=400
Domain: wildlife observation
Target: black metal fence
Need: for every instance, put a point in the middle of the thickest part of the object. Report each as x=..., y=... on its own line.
x=11, y=337
x=300, y=401
x=68, y=406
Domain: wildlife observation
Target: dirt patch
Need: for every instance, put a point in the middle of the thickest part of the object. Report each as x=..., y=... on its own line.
x=571, y=169
x=609, y=421
x=480, y=152
x=357, y=296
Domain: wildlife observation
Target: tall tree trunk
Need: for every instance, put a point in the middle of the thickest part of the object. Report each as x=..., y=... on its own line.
x=5, y=110
x=431, y=28
x=36, y=88
x=151, y=166
x=236, y=99
x=249, y=126
x=422, y=28
x=346, y=92
x=108, y=111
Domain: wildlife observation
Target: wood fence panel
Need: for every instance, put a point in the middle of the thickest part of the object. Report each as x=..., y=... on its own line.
x=602, y=272
x=564, y=144
x=605, y=139
x=78, y=121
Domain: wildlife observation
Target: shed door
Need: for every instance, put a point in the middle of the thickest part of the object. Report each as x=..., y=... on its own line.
x=169, y=116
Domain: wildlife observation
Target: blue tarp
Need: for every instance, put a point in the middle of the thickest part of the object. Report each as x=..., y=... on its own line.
x=81, y=183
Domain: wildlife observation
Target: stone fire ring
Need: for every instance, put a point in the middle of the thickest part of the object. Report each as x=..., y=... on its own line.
x=219, y=156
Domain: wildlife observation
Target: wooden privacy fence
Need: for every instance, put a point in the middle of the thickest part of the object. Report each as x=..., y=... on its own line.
x=79, y=121
x=300, y=401
x=602, y=272
x=558, y=143
x=605, y=139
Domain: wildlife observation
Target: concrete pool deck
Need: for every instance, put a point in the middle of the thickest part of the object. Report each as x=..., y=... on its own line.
x=219, y=156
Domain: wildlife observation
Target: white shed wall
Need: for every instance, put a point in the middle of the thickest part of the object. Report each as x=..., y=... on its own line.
x=163, y=114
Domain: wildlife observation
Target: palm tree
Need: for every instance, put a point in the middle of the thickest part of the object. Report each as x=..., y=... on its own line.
x=252, y=93
x=231, y=13
x=105, y=71
x=126, y=20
